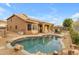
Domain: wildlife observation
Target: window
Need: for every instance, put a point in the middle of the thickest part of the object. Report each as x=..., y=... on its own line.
x=16, y=27
x=34, y=27
x=29, y=26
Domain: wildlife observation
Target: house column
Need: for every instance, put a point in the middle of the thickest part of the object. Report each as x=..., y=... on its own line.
x=49, y=28
x=43, y=28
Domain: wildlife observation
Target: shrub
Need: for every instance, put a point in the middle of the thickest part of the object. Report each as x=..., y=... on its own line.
x=74, y=36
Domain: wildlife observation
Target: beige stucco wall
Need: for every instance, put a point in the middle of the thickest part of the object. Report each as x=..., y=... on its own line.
x=2, y=32
x=21, y=25
x=48, y=28
x=32, y=31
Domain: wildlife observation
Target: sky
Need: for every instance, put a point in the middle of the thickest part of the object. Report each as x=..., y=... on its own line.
x=50, y=12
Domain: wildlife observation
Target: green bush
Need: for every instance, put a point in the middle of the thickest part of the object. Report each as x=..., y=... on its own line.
x=74, y=36
x=67, y=24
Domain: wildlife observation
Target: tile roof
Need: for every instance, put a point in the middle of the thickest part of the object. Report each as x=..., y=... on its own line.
x=30, y=19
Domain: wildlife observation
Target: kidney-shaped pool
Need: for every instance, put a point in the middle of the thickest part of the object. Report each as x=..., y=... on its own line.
x=45, y=44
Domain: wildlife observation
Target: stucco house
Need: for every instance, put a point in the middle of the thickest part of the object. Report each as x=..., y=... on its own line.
x=3, y=28
x=23, y=24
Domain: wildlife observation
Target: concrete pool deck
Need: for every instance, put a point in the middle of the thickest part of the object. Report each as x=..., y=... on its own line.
x=38, y=35
x=13, y=36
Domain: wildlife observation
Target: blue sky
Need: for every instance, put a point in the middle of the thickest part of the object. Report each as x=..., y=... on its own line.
x=49, y=12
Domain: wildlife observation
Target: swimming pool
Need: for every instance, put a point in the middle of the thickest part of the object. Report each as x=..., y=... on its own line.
x=45, y=44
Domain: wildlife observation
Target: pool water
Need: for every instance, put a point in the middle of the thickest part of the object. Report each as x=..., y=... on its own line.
x=43, y=44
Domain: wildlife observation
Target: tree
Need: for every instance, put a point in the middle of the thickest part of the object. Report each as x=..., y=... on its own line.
x=67, y=23
x=74, y=34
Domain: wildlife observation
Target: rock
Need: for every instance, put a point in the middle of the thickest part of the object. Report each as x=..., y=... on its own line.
x=76, y=52
x=40, y=53
x=55, y=53
x=70, y=52
x=18, y=47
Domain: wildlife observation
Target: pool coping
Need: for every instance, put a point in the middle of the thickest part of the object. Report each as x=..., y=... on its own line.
x=39, y=35
x=26, y=36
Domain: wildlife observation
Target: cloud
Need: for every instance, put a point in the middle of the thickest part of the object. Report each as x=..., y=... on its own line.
x=55, y=21
x=8, y=4
x=75, y=16
x=2, y=11
x=48, y=18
